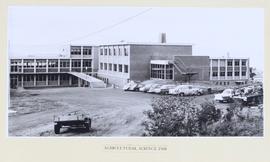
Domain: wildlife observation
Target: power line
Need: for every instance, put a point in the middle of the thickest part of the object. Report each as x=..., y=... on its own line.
x=113, y=25
x=100, y=30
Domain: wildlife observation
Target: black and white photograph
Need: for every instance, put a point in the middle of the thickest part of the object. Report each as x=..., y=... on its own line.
x=81, y=71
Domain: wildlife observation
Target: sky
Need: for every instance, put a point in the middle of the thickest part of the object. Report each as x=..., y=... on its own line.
x=214, y=32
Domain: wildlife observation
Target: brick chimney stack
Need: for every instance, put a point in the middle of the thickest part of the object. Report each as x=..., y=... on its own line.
x=162, y=38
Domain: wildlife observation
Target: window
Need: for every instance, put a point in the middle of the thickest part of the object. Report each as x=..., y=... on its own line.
x=114, y=51
x=41, y=77
x=53, y=77
x=214, y=62
x=222, y=62
x=28, y=78
x=119, y=51
x=101, y=66
x=215, y=74
x=87, y=50
x=105, y=52
x=53, y=63
x=236, y=63
x=229, y=73
x=64, y=63
x=126, y=68
x=41, y=63
x=222, y=73
x=87, y=63
x=236, y=73
x=114, y=67
x=120, y=68
x=28, y=64
x=243, y=73
x=110, y=51
x=243, y=63
x=229, y=63
x=75, y=50
x=125, y=51
x=76, y=63
x=101, y=51
x=110, y=67
x=105, y=66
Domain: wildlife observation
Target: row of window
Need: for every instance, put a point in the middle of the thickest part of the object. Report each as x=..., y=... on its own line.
x=160, y=74
x=54, y=63
x=160, y=66
x=114, y=51
x=227, y=83
x=40, y=78
x=229, y=63
x=113, y=67
x=237, y=73
x=76, y=50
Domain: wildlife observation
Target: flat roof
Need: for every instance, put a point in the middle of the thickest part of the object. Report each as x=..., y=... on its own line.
x=229, y=58
x=39, y=57
x=161, y=61
x=148, y=44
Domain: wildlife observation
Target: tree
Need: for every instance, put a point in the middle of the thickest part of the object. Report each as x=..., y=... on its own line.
x=251, y=73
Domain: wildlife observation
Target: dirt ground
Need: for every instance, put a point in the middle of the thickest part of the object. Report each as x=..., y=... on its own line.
x=113, y=111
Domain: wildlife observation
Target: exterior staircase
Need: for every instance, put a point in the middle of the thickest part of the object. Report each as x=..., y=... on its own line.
x=94, y=82
x=180, y=66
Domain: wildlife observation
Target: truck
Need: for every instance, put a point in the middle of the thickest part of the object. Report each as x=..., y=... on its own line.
x=72, y=119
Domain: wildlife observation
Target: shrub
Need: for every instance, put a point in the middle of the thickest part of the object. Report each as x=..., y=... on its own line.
x=178, y=116
x=171, y=116
x=207, y=116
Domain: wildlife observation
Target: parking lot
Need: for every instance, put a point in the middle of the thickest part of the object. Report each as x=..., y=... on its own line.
x=114, y=112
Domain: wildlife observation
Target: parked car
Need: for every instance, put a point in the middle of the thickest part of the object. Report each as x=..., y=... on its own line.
x=225, y=96
x=139, y=85
x=164, y=89
x=133, y=86
x=126, y=86
x=153, y=87
x=204, y=89
x=130, y=86
x=146, y=87
x=174, y=91
x=185, y=90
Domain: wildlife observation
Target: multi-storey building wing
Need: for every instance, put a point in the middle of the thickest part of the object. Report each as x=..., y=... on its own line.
x=41, y=72
x=119, y=63
x=226, y=71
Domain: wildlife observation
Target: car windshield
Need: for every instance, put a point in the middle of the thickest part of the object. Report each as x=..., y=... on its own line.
x=227, y=91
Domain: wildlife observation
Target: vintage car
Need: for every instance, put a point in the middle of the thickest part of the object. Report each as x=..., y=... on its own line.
x=72, y=119
x=225, y=96
x=164, y=89
x=186, y=90
x=146, y=87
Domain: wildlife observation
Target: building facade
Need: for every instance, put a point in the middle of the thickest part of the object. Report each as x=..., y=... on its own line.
x=227, y=71
x=49, y=72
x=120, y=63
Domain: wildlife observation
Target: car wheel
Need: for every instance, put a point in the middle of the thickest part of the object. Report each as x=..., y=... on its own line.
x=57, y=128
x=199, y=93
x=87, y=124
x=181, y=94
